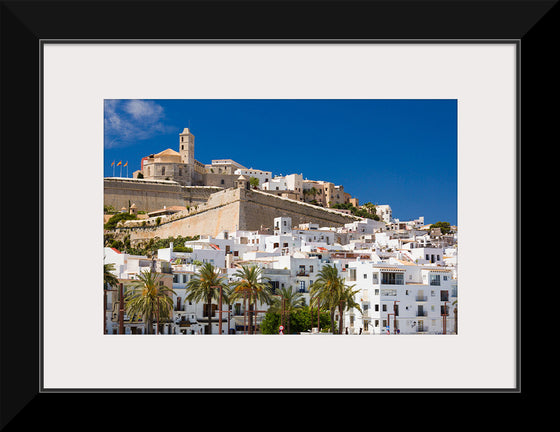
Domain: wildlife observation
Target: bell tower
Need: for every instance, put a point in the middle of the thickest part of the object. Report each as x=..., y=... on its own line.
x=186, y=147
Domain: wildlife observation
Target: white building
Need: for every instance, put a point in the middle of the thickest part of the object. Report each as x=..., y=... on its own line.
x=277, y=183
x=405, y=299
x=384, y=212
x=127, y=268
x=262, y=176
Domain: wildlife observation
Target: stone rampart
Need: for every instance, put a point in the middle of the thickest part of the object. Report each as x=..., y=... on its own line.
x=150, y=195
x=260, y=208
x=230, y=210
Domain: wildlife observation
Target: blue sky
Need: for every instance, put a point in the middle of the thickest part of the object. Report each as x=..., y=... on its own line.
x=397, y=152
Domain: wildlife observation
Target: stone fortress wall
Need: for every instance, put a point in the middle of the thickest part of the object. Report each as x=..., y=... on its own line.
x=230, y=210
x=150, y=195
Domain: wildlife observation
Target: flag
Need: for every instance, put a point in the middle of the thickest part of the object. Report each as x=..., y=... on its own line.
x=126, y=163
x=113, y=163
x=120, y=162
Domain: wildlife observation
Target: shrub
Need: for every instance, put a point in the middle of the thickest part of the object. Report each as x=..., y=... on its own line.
x=115, y=219
x=182, y=249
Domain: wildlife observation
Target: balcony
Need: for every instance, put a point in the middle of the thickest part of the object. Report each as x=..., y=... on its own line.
x=422, y=298
x=421, y=313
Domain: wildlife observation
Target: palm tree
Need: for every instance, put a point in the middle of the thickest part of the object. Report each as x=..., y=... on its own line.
x=326, y=290
x=346, y=302
x=109, y=280
x=369, y=207
x=289, y=301
x=251, y=285
x=205, y=285
x=149, y=298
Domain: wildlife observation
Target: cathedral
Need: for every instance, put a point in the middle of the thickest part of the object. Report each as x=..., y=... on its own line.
x=184, y=169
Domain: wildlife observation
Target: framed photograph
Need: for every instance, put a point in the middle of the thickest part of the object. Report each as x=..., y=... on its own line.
x=78, y=77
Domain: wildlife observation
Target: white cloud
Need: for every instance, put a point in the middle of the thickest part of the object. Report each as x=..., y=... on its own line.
x=127, y=121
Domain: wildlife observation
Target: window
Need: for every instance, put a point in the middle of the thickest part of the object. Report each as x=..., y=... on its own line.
x=384, y=308
x=301, y=286
x=376, y=308
x=222, y=181
x=162, y=170
x=274, y=285
x=374, y=278
x=365, y=275
x=180, y=172
x=392, y=278
x=435, y=280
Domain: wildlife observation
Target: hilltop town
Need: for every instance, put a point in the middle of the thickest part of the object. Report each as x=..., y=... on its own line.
x=177, y=216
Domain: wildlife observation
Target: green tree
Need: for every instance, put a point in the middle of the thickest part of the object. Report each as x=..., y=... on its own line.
x=301, y=320
x=346, y=302
x=252, y=286
x=444, y=226
x=369, y=207
x=254, y=182
x=270, y=323
x=109, y=280
x=205, y=286
x=288, y=302
x=326, y=290
x=149, y=298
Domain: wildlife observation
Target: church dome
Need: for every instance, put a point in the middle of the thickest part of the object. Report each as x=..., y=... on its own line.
x=168, y=155
x=168, y=152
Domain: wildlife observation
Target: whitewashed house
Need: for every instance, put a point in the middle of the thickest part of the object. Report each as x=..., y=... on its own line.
x=401, y=299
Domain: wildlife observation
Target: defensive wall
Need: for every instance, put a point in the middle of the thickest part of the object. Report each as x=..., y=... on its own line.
x=230, y=210
x=150, y=195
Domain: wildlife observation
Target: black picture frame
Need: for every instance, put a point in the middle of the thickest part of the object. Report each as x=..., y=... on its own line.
x=25, y=24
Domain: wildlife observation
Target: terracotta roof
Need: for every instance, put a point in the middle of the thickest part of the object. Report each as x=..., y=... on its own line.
x=168, y=152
